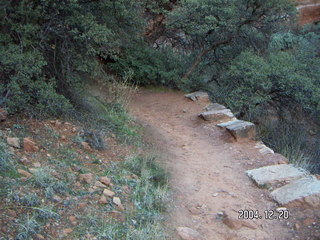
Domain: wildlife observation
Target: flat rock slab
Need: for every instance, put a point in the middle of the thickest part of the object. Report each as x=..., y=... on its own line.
x=229, y=123
x=242, y=130
x=304, y=191
x=214, y=106
x=217, y=115
x=275, y=175
x=199, y=95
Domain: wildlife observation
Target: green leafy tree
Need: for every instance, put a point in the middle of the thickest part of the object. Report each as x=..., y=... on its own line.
x=214, y=24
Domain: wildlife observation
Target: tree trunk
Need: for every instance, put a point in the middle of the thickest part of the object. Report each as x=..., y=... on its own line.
x=204, y=52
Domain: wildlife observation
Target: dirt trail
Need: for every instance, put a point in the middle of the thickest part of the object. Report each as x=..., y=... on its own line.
x=207, y=169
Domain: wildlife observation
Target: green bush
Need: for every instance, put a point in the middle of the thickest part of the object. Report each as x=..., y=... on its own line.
x=49, y=48
x=151, y=66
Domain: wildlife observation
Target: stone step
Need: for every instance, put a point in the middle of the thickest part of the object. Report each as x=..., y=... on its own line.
x=199, y=95
x=275, y=175
x=214, y=106
x=263, y=149
x=229, y=123
x=242, y=130
x=304, y=191
x=217, y=115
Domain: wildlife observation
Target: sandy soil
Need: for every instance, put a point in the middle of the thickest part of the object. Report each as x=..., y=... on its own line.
x=207, y=170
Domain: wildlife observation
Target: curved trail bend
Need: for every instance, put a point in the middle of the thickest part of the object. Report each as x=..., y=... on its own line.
x=207, y=169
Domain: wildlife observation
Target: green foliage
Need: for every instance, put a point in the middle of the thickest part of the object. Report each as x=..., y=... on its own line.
x=281, y=77
x=150, y=66
x=49, y=48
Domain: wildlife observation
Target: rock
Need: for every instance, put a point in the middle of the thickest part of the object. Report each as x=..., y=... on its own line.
x=86, y=146
x=108, y=193
x=214, y=106
x=99, y=184
x=199, y=95
x=103, y=200
x=24, y=173
x=229, y=123
x=275, y=175
x=13, y=142
x=304, y=191
x=218, y=115
x=40, y=237
x=242, y=130
x=72, y=218
x=57, y=199
x=24, y=161
x=105, y=180
x=3, y=114
x=116, y=201
x=29, y=145
x=236, y=224
x=86, y=178
x=186, y=233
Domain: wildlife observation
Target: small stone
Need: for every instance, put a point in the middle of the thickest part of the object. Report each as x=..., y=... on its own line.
x=186, y=233
x=116, y=201
x=24, y=173
x=57, y=122
x=105, y=180
x=236, y=224
x=108, y=193
x=86, y=146
x=99, y=184
x=67, y=231
x=195, y=211
x=57, y=199
x=24, y=161
x=103, y=200
x=86, y=178
x=13, y=142
x=29, y=145
x=215, y=195
x=63, y=137
x=297, y=227
x=72, y=219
